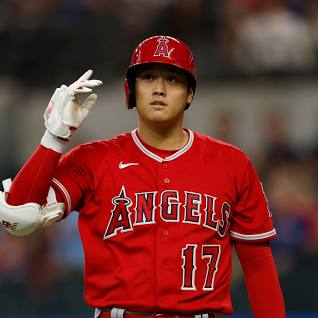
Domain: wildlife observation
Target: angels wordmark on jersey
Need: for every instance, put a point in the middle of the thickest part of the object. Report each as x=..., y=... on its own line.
x=169, y=209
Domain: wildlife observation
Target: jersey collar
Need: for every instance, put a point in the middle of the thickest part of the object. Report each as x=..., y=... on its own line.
x=156, y=157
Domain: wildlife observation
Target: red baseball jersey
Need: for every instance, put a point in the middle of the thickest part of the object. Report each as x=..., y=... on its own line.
x=156, y=231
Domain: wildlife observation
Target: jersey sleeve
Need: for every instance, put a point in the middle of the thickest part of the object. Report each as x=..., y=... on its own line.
x=73, y=178
x=251, y=218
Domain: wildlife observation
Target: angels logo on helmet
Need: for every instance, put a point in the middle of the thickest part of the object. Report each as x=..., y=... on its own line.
x=162, y=48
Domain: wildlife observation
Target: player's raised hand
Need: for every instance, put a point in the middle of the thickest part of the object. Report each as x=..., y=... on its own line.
x=65, y=112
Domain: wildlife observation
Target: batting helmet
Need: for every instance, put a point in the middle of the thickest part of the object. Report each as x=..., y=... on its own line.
x=159, y=49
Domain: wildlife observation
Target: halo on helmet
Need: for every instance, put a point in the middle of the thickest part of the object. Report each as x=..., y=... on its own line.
x=159, y=49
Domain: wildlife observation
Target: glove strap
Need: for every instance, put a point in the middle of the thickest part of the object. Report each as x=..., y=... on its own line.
x=52, y=142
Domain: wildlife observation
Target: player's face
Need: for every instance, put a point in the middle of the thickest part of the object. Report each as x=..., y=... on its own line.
x=162, y=93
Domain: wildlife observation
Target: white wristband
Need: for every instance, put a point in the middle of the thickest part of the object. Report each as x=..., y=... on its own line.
x=52, y=142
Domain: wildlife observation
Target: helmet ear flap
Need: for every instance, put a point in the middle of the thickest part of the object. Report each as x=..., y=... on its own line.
x=130, y=92
x=127, y=92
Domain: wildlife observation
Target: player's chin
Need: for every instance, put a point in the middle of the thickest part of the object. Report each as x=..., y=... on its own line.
x=158, y=117
x=159, y=111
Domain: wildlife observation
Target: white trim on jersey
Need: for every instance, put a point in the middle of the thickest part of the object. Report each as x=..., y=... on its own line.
x=156, y=157
x=67, y=195
x=251, y=237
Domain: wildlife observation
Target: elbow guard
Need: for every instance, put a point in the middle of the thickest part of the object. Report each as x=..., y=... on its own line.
x=23, y=219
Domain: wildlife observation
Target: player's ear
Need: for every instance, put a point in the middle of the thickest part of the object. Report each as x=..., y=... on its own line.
x=190, y=95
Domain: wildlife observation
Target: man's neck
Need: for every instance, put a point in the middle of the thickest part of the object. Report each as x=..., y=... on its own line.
x=163, y=138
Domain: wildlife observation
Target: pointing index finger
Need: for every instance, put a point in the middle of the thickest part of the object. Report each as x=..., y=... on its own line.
x=91, y=83
x=86, y=75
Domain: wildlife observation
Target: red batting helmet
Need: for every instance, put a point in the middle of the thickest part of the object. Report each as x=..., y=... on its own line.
x=159, y=49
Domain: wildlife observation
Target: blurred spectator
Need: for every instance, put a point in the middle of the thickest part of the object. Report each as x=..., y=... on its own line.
x=138, y=17
x=224, y=126
x=31, y=10
x=13, y=256
x=29, y=259
x=187, y=19
x=274, y=40
x=290, y=191
x=277, y=146
x=312, y=16
x=310, y=159
x=68, y=253
x=42, y=270
x=277, y=149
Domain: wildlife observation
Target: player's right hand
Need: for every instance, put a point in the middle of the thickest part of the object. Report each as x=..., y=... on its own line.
x=65, y=112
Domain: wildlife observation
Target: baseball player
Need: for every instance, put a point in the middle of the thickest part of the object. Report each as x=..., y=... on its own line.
x=160, y=207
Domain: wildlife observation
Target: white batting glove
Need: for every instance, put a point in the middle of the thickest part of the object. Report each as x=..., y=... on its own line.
x=65, y=113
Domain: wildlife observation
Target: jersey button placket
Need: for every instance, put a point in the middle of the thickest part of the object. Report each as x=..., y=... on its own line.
x=164, y=170
x=166, y=180
x=163, y=264
x=163, y=300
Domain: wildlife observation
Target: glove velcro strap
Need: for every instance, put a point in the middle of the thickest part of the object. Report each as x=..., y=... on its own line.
x=52, y=142
x=53, y=210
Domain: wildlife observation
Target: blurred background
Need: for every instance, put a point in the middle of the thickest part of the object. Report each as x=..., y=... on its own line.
x=257, y=66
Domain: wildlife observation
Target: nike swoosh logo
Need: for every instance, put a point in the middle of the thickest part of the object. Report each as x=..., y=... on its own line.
x=125, y=165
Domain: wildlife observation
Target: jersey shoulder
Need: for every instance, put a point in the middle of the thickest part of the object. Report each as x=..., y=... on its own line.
x=227, y=157
x=219, y=147
x=103, y=145
x=98, y=150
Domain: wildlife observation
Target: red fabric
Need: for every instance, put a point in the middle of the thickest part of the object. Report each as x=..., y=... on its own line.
x=120, y=209
x=261, y=280
x=187, y=209
x=33, y=181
